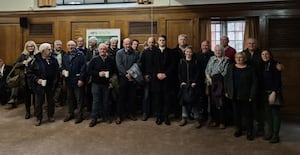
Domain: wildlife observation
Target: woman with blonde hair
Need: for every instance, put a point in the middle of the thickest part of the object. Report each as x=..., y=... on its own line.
x=240, y=85
x=24, y=60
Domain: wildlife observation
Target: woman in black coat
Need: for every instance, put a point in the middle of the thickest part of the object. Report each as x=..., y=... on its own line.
x=188, y=75
x=23, y=62
x=271, y=87
x=240, y=85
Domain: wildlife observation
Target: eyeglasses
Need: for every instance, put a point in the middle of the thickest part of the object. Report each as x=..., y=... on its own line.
x=30, y=46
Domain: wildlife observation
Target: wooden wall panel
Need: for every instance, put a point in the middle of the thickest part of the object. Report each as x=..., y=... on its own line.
x=290, y=80
x=176, y=27
x=62, y=31
x=11, y=38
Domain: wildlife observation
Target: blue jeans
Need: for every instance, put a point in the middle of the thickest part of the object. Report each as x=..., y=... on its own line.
x=100, y=101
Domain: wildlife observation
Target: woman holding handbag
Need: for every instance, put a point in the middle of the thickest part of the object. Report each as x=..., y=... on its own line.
x=188, y=75
x=215, y=71
x=272, y=91
x=24, y=60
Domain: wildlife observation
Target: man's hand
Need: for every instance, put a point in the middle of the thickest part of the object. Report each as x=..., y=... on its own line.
x=80, y=83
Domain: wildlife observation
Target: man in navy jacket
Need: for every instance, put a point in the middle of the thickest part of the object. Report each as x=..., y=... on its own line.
x=74, y=70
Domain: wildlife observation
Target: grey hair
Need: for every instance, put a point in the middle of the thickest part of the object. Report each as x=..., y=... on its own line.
x=94, y=39
x=221, y=48
x=44, y=46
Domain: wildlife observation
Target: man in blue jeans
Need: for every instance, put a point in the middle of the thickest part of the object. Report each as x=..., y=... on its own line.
x=101, y=68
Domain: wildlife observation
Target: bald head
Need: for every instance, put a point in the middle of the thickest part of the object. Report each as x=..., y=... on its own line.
x=127, y=44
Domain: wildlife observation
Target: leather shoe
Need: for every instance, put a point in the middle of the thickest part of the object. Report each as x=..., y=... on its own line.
x=93, y=123
x=250, y=136
x=51, y=119
x=268, y=136
x=27, y=115
x=118, y=120
x=38, y=122
x=167, y=121
x=198, y=124
x=78, y=120
x=68, y=117
x=133, y=118
x=108, y=121
x=275, y=139
x=237, y=133
x=158, y=121
x=222, y=126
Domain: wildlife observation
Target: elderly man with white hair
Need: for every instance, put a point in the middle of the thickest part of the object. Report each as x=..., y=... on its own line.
x=43, y=74
x=101, y=68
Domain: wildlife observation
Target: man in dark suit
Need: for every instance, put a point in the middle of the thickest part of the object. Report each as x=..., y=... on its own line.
x=164, y=80
x=4, y=90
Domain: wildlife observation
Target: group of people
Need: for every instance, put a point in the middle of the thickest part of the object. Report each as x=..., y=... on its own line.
x=221, y=86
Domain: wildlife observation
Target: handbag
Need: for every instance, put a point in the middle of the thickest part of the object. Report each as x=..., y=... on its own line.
x=278, y=101
x=13, y=80
x=187, y=94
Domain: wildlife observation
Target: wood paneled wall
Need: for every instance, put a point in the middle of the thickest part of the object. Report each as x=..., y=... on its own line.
x=171, y=21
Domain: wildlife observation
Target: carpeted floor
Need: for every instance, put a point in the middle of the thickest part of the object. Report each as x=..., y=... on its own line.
x=20, y=136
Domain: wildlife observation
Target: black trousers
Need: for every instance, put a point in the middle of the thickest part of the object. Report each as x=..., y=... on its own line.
x=28, y=96
x=40, y=100
x=243, y=109
x=75, y=98
x=126, y=104
x=162, y=103
x=203, y=103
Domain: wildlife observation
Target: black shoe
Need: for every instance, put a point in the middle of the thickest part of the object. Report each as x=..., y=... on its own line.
x=51, y=119
x=108, y=121
x=259, y=133
x=38, y=122
x=133, y=118
x=250, y=136
x=145, y=117
x=275, y=139
x=68, y=117
x=93, y=123
x=198, y=124
x=167, y=121
x=27, y=115
x=268, y=136
x=118, y=121
x=158, y=121
x=237, y=133
x=78, y=120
